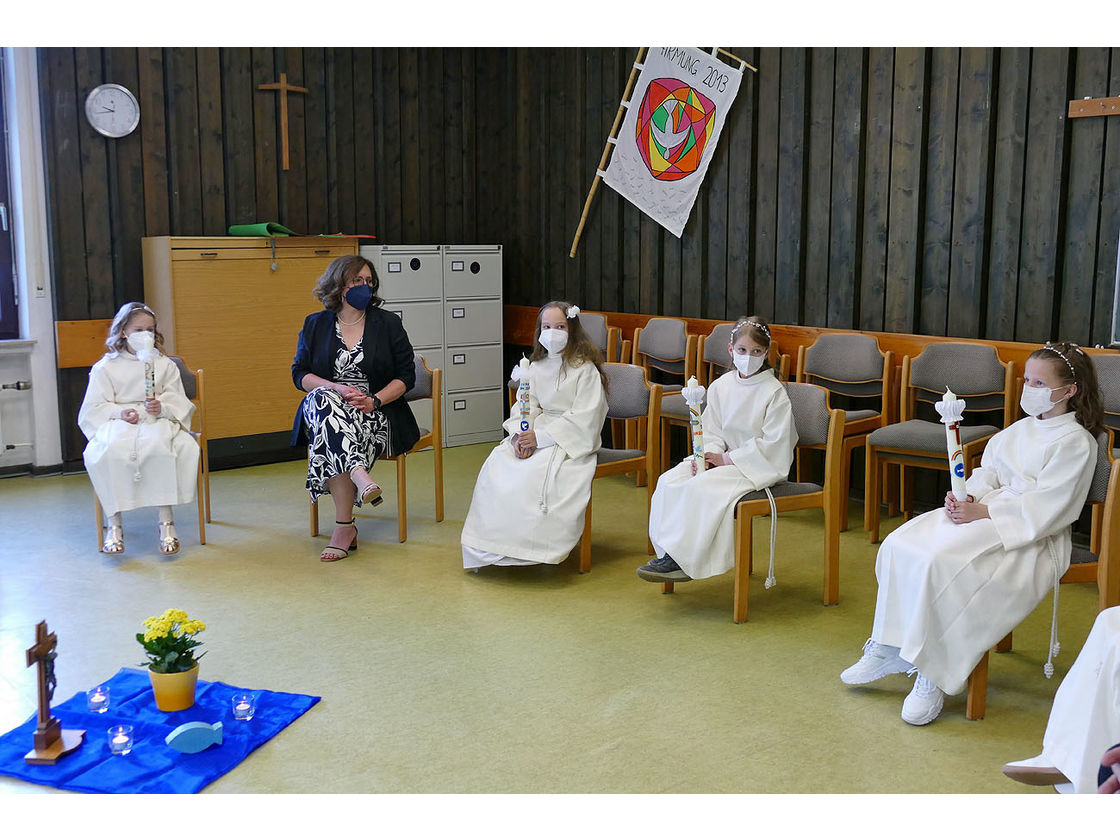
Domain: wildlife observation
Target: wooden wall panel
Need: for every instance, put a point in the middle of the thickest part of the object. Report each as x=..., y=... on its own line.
x=876, y=187
x=905, y=208
x=1108, y=236
x=1007, y=178
x=1043, y=196
x=846, y=229
x=1084, y=200
x=822, y=75
x=936, y=190
x=941, y=110
x=970, y=193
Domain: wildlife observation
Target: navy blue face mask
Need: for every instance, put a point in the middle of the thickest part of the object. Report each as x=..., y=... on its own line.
x=359, y=296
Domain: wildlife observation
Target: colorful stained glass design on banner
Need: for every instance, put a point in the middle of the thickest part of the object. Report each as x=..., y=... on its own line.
x=673, y=127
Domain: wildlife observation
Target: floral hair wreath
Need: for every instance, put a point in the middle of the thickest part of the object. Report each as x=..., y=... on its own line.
x=571, y=312
x=1063, y=357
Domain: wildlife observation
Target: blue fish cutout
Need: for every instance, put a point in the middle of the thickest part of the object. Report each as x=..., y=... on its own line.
x=195, y=736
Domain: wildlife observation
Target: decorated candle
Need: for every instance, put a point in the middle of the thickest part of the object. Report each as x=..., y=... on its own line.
x=693, y=394
x=523, y=394
x=951, y=410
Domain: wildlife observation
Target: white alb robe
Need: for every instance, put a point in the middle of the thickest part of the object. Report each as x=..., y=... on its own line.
x=531, y=510
x=1085, y=718
x=948, y=592
x=150, y=463
x=692, y=517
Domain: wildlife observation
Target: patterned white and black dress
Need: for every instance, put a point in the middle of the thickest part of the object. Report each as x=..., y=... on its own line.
x=341, y=437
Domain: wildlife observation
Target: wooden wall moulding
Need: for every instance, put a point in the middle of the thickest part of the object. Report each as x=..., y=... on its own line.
x=1101, y=107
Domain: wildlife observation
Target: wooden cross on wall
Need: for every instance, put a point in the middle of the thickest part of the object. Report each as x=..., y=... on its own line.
x=283, y=88
x=1100, y=107
x=50, y=740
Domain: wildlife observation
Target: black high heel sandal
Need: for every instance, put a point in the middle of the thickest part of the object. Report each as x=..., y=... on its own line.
x=330, y=558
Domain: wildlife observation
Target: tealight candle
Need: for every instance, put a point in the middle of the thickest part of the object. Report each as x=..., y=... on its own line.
x=120, y=739
x=244, y=706
x=97, y=699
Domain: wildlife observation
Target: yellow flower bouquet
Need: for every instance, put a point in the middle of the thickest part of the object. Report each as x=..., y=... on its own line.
x=169, y=642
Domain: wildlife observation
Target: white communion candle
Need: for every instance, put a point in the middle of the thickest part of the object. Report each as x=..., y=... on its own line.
x=523, y=394
x=951, y=410
x=693, y=394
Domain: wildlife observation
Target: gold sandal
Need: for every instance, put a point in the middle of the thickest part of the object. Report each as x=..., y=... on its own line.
x=330, y=558
x=168, y=542
x=114, y=540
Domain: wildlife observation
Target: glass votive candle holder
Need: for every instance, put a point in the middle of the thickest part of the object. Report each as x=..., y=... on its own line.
x=244, y=706
x=97, y=698
x=120, y=739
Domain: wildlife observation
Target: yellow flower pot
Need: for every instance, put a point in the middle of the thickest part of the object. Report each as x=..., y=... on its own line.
x=174, y=692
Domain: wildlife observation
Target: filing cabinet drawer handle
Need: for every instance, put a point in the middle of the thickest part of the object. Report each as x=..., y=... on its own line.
x=208, y=253
x=322, y=250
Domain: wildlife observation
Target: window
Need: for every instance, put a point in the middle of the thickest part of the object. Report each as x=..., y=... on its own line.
x=9, y=314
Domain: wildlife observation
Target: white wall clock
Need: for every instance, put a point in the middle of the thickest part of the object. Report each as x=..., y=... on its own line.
x=112, y=110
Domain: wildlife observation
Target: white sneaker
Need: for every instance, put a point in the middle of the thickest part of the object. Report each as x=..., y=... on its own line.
x=878, y=661
x=923, y=704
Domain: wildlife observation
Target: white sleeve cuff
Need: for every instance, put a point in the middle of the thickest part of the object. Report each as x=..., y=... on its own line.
x=544, y=439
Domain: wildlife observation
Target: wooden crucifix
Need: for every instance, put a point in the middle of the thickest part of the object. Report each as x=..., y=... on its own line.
x=283, y=88
x=51, y=740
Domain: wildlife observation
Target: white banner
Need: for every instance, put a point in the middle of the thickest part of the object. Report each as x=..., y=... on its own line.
x=672, y=124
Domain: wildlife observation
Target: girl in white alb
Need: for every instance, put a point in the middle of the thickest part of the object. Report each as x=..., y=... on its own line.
x=531, y=495
x=749, y=441
x=1085, y=718
x=954, y=581
x=140, y=452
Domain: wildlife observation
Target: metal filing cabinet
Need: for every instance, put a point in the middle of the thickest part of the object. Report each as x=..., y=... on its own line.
x=449, y=298
x=474, y=382
x=411, y=283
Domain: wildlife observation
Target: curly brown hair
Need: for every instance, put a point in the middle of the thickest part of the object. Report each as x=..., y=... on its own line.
x=580, y=348
x=1073, y=365
x=115, y=341
x=332, y=283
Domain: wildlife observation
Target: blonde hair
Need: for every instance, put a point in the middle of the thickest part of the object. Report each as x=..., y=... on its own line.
x=115, y=341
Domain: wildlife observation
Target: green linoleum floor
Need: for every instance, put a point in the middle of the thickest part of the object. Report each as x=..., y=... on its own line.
x=537, y=680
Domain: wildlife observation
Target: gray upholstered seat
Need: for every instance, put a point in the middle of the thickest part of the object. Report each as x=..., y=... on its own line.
x=1102, y=568
x=974, y=373
x=428, y=385
x=818, y=427
x=850, y=365
x=629, y=397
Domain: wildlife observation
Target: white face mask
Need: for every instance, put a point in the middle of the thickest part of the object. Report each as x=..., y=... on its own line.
x=141, y=343
x=747, y=364
x=553, y=340
x=1036, y=401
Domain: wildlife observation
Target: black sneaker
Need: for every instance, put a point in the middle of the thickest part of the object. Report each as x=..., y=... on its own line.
x=662, y=569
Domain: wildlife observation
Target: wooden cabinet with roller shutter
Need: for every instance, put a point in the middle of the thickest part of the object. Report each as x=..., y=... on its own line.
x=234, y=307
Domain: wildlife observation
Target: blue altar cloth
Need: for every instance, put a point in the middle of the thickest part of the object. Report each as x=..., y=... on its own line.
x=152, y=766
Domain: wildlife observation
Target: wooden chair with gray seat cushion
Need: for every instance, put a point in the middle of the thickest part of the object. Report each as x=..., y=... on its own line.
x=852, y=366
x=818, y=428
x=971, y=371
x=1102, y=567
x=629, y=396
x=429, y=385
x=193, y=388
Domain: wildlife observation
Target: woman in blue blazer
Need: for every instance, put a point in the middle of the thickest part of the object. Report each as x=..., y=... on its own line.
x=355, y=362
